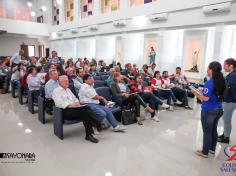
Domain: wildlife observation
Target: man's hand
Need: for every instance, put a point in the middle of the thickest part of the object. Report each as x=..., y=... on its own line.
x=74, y=105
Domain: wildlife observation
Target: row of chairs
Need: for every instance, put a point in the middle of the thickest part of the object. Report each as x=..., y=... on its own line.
x=58, y=119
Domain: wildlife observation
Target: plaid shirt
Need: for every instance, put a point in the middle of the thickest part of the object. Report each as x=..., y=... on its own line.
x=135, y=87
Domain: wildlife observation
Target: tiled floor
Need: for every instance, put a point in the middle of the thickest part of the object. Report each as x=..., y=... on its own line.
x=155, y=149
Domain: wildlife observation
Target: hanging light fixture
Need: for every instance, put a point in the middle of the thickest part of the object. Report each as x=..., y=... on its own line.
x=44, y=8
x=32, y=13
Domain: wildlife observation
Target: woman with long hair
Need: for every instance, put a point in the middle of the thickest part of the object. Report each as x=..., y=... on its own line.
x=122, y=96
x=212, y=99
x=229, y=100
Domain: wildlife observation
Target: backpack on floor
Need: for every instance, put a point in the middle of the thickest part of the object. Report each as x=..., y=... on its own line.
x=128, y=115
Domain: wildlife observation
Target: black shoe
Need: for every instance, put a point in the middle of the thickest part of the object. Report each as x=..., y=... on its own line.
x=224, y=140
x=221, y=136
x=91, y=139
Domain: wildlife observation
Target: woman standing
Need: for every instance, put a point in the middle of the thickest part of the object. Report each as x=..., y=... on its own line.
x=152, y=55
x=229, y=100
x=212, y=99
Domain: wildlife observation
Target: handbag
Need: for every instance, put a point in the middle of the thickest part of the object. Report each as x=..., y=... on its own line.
x=128, y=115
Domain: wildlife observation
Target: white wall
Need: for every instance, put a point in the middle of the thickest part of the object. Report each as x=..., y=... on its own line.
x=10, y=45
x=86, y=47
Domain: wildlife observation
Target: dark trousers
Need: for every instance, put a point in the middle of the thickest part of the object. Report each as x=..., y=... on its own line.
x=167, y=94
x=150, y=98
x=2, y=80
x=181, y=95
x=49, y=103
x=209, y=125
x=81, y=113
x=133, y=99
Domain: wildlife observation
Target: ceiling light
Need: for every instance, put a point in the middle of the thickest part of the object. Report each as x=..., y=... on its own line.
x=29, y=4
x=44, y=8
x=20, y=124
x=139, y=21
x=54, y=35
x=59, y=1
x=32, y=14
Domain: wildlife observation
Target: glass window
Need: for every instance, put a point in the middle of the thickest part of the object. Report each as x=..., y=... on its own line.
x=55, y=13
x=110, y=5
x=31, y=49
x=69, y=10
x=134, y=3
x=86, y=8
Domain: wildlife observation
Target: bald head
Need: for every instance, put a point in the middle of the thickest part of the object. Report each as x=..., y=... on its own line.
x=63, y=81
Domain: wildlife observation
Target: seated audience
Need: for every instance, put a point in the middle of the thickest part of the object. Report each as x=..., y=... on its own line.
x=137, y=87
x=180, y=94
x=152, y=69
x=34, y=82
x=146, y=76
x=162, y=88
x=72, y=110
x=93, y=71
x=78, y=80
x=54, y=59
x=49, y=88
x=122, y=97
x=89, y=96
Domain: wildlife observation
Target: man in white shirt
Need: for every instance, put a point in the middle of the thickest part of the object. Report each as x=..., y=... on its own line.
x=72, y=110
x=17, y=58
x=89, y=96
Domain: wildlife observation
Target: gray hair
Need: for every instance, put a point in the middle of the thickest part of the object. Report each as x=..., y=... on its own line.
x=63, y=77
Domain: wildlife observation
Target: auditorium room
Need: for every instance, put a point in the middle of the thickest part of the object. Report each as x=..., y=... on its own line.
x=118, y=87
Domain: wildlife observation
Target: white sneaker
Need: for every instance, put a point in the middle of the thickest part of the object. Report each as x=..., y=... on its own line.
x=171, y=108
x=178, y=102
x=119, y=128
x=166, y=106
x=156, y=119
x=95, y=131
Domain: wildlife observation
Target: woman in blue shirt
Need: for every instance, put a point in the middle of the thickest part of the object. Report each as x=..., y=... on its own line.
x=212, y=99
x=229, y=100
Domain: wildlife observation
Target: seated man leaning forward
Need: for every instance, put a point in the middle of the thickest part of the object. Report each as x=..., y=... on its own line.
x=89, y=96
x=72, y=110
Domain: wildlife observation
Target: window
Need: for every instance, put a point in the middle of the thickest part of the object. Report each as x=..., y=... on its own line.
x=31, y=50
x=134, y=3
x=69, y=10
x=233, y=46
x=110, y=5
x=55, y=13
x=86, y=8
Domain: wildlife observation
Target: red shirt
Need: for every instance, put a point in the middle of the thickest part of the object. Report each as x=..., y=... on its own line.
x=135, y=87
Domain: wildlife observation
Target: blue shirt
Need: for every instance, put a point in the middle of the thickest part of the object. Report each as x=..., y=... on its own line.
x=230, y=96
x=49, y=87
x=213, y=102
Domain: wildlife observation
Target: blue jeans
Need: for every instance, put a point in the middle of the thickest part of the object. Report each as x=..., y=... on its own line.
x=227, y=117
x=102, y=112
x=209, y=125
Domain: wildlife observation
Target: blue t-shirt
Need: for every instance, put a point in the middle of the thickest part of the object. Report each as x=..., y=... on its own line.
x=213, y=102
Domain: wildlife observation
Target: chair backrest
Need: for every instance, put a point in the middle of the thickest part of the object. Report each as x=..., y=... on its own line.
x=42, y=91
x=104, y=92
x=97, y=78
x=104, y=77
x=102, y=73
x=99, y=84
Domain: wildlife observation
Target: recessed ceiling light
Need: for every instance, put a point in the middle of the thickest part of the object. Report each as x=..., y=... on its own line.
x=20, y=124
x=54, y=35
x=44, y=8
x=32, y=14
x=29, y=4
